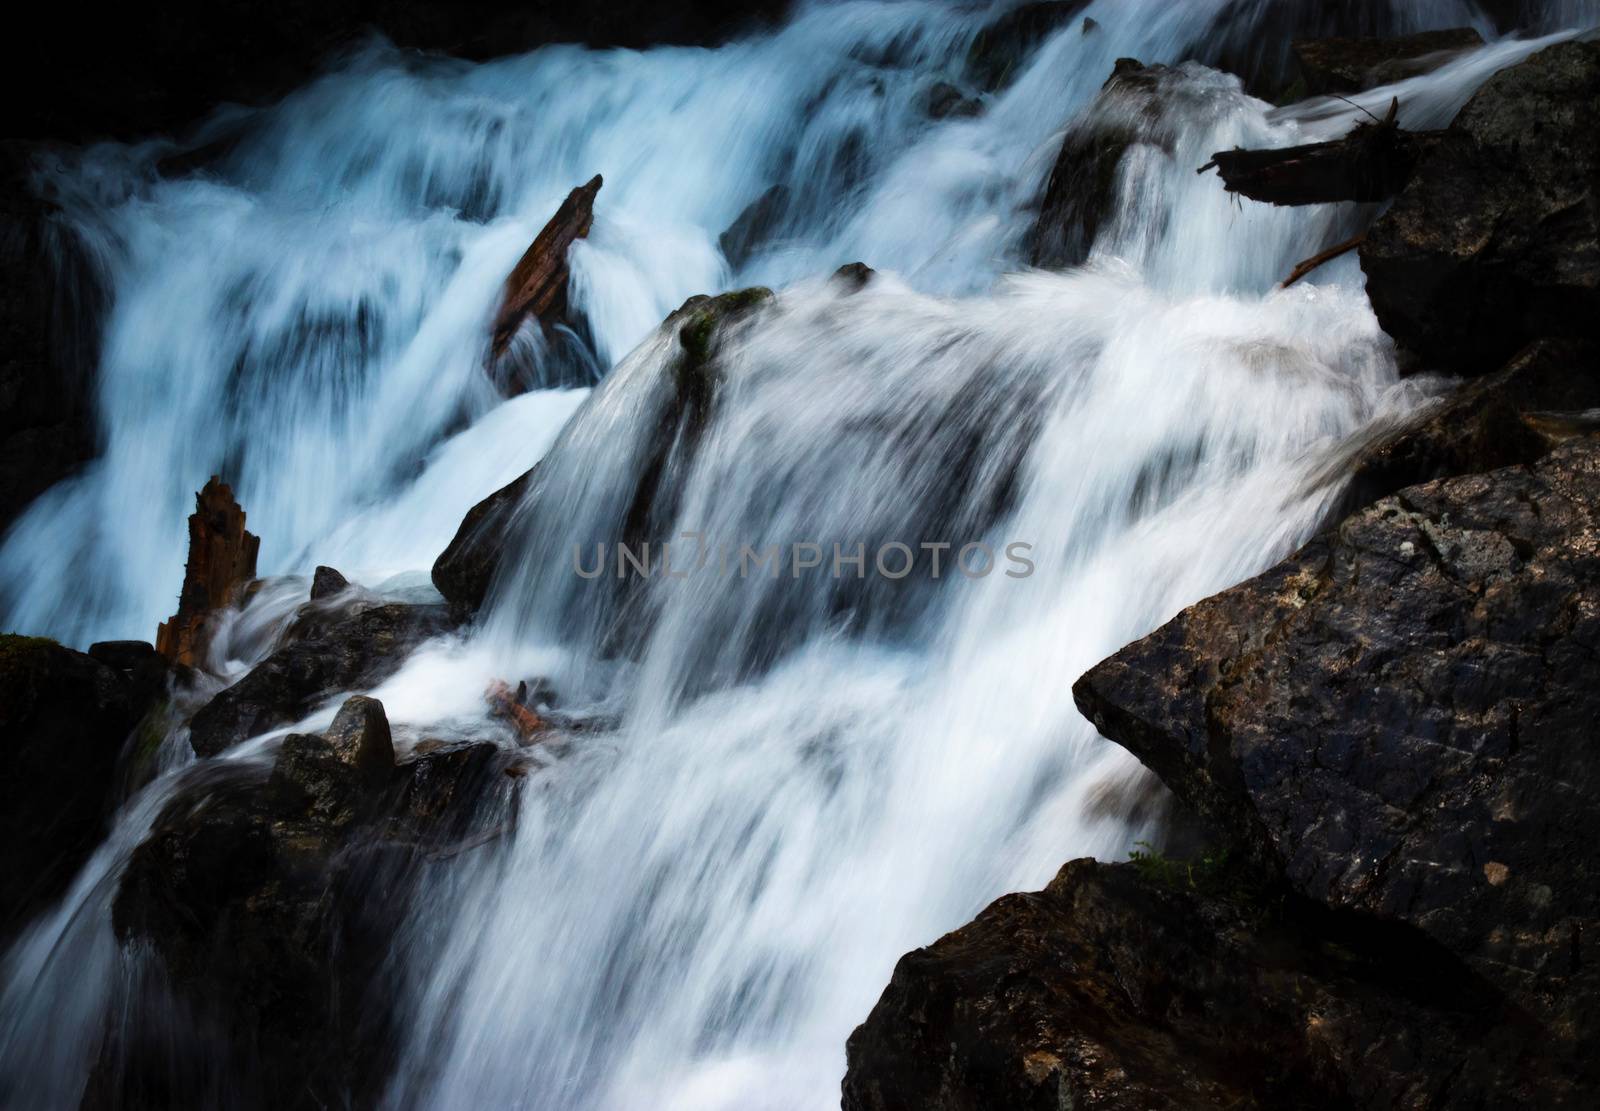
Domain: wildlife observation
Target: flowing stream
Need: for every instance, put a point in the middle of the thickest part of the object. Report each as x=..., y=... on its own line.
x=808, y=774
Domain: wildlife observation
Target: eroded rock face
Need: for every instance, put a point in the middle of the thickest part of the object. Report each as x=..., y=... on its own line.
x=1117, y=989
x=273, y=904
x=1496, y=240
x=222, y=558
x=63, y=719
x=354, y=651
x=1400, y=720
x=1341, y=65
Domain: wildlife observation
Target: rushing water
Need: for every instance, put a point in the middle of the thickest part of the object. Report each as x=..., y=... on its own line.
x=809, y=775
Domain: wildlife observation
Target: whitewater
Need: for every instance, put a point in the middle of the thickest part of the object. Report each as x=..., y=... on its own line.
x=799, y=778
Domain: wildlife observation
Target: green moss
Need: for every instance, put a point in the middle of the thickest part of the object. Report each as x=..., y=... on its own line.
x=22, y=660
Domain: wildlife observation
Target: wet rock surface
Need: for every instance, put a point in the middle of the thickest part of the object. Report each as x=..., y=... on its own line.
x=1495, y=421
x=465, y=570
x=1398, y=720
x=1118, y=987
x=63, y=719
x=1496, y=240
x=274, y=900
x=349, y=651
x=1000, y=50
x=1341, y=65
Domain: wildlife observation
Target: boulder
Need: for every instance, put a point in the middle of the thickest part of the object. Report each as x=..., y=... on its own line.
x=1153, y=986
x=356, y=650
x=999, y=51
x=537, y=285
x=944, y=101
x=1496, y=240
x=1398, y=721
x=63, y=719
x=1495, y=421
x=465, y=570
x=274, y=906
x=222, y=558
x=1341, y=65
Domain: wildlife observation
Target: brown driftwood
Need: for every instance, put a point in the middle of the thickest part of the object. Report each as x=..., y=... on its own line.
x=222, y=557
x=1305, y=266
x=508, y=704
x=1372, y=163
x=537, y=285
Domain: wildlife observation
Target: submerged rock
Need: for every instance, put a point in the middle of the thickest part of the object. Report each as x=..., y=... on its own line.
x=353, y=651
x=1496, y=240
x=466, y=568
x=1000, y=49
x=754, y=226
x=274, y=906
x=1398, y=720
x=1341, y=65
x=1170, y=986
x=63, y=719
x=944, y=101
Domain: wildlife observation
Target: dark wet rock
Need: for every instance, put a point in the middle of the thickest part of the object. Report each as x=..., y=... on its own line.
x=944, y=101
x=1254, y=40
x=275, y=903
x=326, y=582
x=1080, y=194
x=1496, y=240
x=1354, y=65
x=1495, y=421
x=1163, y=986
x=852, y=276
x=1398, y=720
x=465, y=570
x=1002, y=48
x=51, y=297
x=754, y=226
x=354, y=651
x=63, y=719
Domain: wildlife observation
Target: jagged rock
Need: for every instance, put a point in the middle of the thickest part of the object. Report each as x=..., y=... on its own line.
x=537, y=285
x=466, y=568
x=943, y=101
x=273, y=906
x=326, y=582
x=1118, y=988
x=358, y=650
x=222, y=558
x=1001, y=48
x=1354, y=65
x=1496, y=240
x=754, y=225
x=63, y=719
x=1399, y=718
x=1487, y=423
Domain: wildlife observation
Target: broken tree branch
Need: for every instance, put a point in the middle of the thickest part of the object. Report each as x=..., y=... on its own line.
x=1372, y=163
x=1305, y=266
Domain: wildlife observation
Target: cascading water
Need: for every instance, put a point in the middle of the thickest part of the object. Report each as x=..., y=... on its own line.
x=807, y=774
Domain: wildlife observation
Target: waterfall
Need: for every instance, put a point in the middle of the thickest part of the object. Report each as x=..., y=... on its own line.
x=806, y=774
